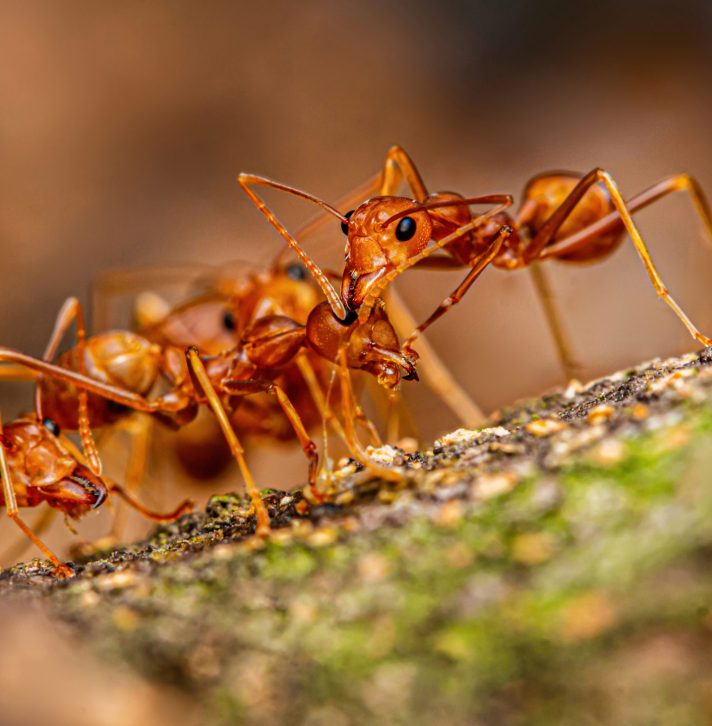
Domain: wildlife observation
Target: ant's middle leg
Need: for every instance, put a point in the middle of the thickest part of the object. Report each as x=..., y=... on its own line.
x=535, y=250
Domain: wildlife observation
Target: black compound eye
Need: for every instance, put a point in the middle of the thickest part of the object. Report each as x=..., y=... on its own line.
x=52, y=426
x=228, y=320
x=295, y=271
x=344, y=225
x=405, y=229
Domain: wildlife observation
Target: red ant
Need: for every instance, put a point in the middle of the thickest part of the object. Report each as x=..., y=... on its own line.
x=121, y=368
x=565, y=216
x=38, y=464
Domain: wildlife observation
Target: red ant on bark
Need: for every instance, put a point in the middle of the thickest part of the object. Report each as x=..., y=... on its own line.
x=39, y=465
x=564, y=216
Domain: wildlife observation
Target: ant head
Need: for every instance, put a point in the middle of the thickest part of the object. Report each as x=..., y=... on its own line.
x=125, y=360
x=371, y=346
x=383, y=233
x=77, y=493
x=56, y=475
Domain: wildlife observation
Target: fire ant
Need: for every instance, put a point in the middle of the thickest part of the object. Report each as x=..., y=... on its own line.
x=121, y=368
x=38, y=464
x=564, y=216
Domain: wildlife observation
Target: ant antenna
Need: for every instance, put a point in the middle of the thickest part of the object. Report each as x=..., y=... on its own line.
x=322, y=280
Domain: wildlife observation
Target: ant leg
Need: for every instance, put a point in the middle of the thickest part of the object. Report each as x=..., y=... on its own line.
x=71, y=312
x=17, y=373
x=203, y=382
x=479, y=264
x=436, y=374
x=41, y=524
x=502, y=202
x=183, y=508
x=245, y=180
x=139, y=431
x=61, y=570
x=613, y=221
x=245, y=387
x=170, y=403
x=397, y=165
x=553, y=319
x=356, y=448
x=557, y=218
x=312, y=381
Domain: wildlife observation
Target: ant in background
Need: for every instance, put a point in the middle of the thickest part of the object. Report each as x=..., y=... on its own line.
x=569, y=217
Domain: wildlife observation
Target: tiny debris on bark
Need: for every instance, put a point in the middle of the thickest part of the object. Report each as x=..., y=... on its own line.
x=551, y=562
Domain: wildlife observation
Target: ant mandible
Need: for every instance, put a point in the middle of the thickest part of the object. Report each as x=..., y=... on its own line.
x=565, y=216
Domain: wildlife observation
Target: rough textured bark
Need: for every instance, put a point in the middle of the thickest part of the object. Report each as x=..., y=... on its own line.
x=551, y=568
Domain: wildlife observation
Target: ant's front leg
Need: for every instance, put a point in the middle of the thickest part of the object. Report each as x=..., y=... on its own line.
x=479, y=264
x=202, y=382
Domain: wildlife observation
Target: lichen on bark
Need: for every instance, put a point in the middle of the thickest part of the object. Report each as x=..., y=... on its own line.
x=550, y=565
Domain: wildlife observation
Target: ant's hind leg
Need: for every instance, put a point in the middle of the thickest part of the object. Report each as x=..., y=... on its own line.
x=550, y=228
x=11, y=507
x=202, y=381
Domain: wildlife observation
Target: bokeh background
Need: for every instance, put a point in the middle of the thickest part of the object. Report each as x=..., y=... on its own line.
x=123, y=127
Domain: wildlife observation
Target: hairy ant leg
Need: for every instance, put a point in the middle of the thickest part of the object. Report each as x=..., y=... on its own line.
x=183, y=508
x=548, y=231
x=138, y=429
x=17, y=373
x=203, y=383
x=246, y=387
x=13, y=512
x=161, y=405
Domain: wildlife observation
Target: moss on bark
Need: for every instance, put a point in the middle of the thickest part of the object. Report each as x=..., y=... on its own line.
x=551, y=568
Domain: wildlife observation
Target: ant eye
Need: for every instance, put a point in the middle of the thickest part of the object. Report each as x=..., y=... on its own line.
x=296, y=272
x=405, y=229
x=229, y=320
x=344, y=225
x=51, y=426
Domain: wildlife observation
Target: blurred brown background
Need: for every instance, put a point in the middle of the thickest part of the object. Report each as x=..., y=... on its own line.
x=123, y=127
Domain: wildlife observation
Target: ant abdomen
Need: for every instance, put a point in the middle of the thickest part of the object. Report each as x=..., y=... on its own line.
x=549, y=191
